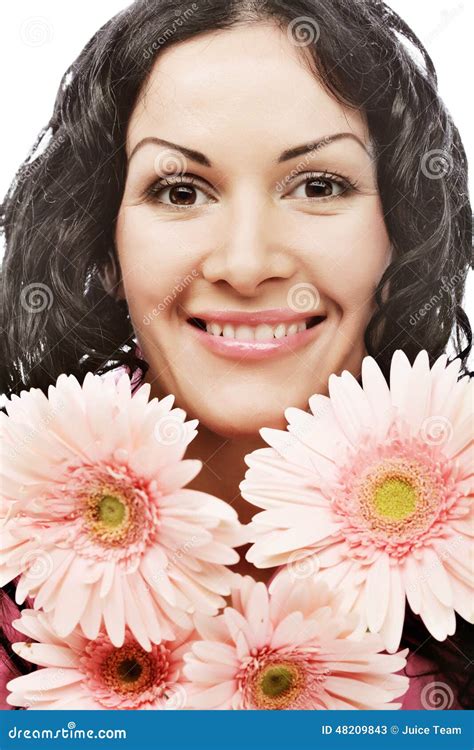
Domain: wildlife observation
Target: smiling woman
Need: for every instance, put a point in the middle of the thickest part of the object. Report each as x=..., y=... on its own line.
x=234, y=211
x=256, y=233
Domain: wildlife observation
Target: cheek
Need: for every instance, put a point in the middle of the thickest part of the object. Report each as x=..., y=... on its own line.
x=154, y=260
x=353, y=250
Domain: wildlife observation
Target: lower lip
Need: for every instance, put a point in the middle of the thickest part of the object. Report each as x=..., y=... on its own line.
x=233, y=349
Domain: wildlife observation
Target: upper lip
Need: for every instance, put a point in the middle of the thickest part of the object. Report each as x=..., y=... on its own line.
x=272, y=316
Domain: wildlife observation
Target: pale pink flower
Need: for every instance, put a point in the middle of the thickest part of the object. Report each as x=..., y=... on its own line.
x=81, y=674
x=96, y=520
x=289, y=648
x=374, y=489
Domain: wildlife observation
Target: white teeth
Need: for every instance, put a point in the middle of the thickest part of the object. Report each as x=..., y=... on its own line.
x=214, y=328
x=279, y=331
x=229, y=331
x=262, y=332
x=245, y=333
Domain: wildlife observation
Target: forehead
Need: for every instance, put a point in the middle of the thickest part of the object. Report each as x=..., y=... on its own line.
x=244, y=87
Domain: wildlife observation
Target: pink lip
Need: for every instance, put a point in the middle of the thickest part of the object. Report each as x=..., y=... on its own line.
x=272, y=317
x=233, y=349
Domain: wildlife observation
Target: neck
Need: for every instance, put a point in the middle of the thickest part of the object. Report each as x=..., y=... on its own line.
x=223, y=467
x=222, y=471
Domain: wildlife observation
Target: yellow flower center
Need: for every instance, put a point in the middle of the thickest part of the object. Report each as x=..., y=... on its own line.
x=395, y=498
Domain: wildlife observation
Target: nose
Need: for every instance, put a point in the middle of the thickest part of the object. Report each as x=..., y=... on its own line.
x=250, y=249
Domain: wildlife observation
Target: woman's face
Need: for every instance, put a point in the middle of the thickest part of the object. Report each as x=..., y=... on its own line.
x=246, y=227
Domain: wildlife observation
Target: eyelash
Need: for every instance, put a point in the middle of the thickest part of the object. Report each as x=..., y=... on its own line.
x=153, y=191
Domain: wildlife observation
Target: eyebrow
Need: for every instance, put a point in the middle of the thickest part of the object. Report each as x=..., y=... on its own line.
x=290, y=153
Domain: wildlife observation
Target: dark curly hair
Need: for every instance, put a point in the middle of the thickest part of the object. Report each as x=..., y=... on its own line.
x=59, y=215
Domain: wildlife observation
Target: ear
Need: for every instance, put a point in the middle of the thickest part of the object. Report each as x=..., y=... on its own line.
x=111, y=278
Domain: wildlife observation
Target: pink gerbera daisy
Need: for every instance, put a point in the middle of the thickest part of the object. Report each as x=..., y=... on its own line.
x=96, y=520
x=374, y=489
x=83, y=674
x=290, y=648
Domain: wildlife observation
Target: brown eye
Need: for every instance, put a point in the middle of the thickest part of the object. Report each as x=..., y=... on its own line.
x=320, y=186
x=182, y=195
x=178, y=192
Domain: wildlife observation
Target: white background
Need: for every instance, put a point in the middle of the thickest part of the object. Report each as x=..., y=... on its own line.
x=40, y=38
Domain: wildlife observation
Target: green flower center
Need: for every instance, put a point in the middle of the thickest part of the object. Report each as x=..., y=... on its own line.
x=111, y=511
x=395, y=499
x=276, y=680
x=277, y=685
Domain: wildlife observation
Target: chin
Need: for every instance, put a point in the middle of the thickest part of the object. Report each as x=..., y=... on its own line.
x=242, y=420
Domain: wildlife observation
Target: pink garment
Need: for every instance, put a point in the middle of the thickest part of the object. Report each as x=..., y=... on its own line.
x=428, y=691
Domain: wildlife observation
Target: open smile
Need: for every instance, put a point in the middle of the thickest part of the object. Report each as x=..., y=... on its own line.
x=254, y=340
